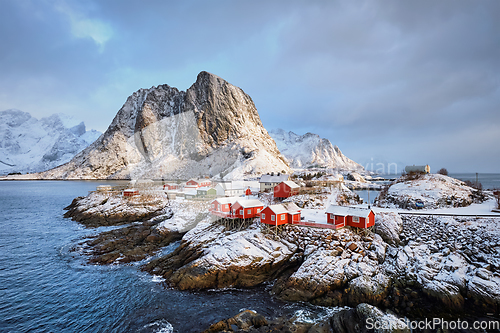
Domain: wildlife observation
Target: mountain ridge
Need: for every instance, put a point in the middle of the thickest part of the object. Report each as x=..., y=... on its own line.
x=310, y=150
x=211, y=129
x=28, y=144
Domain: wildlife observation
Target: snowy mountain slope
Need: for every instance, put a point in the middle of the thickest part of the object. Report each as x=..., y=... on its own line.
x=303, y=151
x=212, y=129
x=31, y=145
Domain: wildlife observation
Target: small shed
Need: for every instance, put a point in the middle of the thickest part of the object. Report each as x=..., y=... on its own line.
x=358, y=217
x=280, y=214
x=418, y=168
x=206, y=192
x=130, y=192
x=286, y=189
x=248, y=191
x=104, y=188
x=191, y=194
x=247, y=208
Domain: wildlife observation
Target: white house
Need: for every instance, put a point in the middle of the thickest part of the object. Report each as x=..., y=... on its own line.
x=227, y=190
x=268, y=182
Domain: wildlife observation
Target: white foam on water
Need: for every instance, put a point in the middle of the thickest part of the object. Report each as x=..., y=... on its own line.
x=158, y=278
x=161, y=326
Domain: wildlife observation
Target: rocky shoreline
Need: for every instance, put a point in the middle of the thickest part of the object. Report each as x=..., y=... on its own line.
x=411, y=266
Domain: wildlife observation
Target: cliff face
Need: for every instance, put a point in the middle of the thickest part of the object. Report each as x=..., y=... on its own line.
x=212, y=129
x=308, y=150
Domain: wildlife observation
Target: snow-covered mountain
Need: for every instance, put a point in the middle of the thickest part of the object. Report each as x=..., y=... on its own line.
x=212, y=129
x=31, y=145
x=309, y=150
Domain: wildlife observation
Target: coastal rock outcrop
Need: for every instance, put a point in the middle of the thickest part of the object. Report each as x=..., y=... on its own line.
x=430, y=190
x=362, y=318
x=212, y=129
x=108, y=208
x=150, y=222
x=212, y=257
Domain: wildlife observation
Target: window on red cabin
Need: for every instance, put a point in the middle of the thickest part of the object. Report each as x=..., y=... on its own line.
x=282, y=217
x=258, y=210
x=273, y=217
x=263, y=216
x=241, y=211
x=355, y=219
x=249, y=211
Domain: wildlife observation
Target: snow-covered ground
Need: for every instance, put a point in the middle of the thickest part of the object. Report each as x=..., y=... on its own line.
x=187, y=214
x=431, y=190
x=484, y=208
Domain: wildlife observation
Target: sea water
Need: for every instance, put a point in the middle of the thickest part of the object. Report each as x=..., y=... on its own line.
x=46, y=287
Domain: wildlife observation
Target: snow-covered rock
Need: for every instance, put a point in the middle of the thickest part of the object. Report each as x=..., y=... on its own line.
x=111, y=208
x=433, y=190
x=389, y=226
x=212, y=257
x=309, y=150
x=212, y=129
x=31, y=145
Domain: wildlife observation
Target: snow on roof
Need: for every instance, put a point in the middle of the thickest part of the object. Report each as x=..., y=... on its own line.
x=273, y=179
x=291, y=184
x=348, y=211
x=278, y=209
x=228, y=200
x=228, y=186
x=192, y=192
x=204, y=189
x=247, y=203
x=288, y=207
x=198, y=180
x=291, y=207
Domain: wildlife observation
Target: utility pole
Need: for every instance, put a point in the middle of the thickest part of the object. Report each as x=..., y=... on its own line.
x=368, y=197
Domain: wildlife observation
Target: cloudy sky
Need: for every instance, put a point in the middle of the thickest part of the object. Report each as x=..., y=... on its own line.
x=408, y=82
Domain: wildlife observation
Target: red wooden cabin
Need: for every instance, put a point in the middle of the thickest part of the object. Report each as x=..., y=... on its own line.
x=223, y=207
x=341, y=216
x=247, y=208
x=286, y=189
x=280, y=214
x=170, y=187
x=248, y=191
x=130, y=192
x=198, y=183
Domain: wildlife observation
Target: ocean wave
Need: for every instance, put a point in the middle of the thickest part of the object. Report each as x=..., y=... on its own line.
x=160, y=326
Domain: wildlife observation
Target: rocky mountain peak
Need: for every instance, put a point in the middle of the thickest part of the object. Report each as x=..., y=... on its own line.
x=310, y=150
x=221, y=109
x=212, y=129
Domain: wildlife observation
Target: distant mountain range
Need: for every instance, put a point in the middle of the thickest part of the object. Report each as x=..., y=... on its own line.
x=31, y=145
x=309, y=150
x=210, y=130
